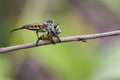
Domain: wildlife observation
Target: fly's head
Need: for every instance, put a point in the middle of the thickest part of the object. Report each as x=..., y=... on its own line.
x=57, y=30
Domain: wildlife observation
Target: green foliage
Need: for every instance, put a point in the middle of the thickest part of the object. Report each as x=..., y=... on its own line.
x=67, y=61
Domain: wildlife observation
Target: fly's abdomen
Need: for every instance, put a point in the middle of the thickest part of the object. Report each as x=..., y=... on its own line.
x=17, y=29
x=34, y=27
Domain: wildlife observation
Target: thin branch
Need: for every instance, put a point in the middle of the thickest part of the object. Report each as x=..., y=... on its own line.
x=82, y=38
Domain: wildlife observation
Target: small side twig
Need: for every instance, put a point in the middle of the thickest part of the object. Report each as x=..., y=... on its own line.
x=82, y=38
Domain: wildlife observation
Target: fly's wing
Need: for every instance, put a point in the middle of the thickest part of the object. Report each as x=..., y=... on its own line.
x=42, y=30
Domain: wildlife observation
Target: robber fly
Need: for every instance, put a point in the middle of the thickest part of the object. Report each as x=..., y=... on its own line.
x=50, y=35
x=46, y=26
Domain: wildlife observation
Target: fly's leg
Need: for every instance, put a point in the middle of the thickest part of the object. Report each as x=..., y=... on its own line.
x=58, y=38
x=37, y=34
x=43, y=37
x=50, y=37
x=39, y=38
x=53, y=42
x=55, y=36
x=37, y=42
x=41, y=30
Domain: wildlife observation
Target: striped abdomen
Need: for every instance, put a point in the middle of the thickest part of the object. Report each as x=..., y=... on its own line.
x=36, y=27
x=45, y=37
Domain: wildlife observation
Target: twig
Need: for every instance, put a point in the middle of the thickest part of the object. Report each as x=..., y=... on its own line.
x=82, y=38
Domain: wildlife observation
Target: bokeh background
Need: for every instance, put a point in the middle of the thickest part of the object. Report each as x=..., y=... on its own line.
x=94, y=60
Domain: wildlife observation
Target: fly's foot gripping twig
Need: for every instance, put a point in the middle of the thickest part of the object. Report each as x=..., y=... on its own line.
x=82, y=39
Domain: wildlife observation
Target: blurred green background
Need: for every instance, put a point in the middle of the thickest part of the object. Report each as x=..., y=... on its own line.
x=94, y=60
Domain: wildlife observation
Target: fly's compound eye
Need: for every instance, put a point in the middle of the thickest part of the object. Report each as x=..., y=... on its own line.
x=58, y=30
x=56, y=24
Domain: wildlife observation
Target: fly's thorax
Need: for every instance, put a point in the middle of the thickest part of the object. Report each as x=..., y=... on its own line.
x=52, y=27
x=49, y=25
